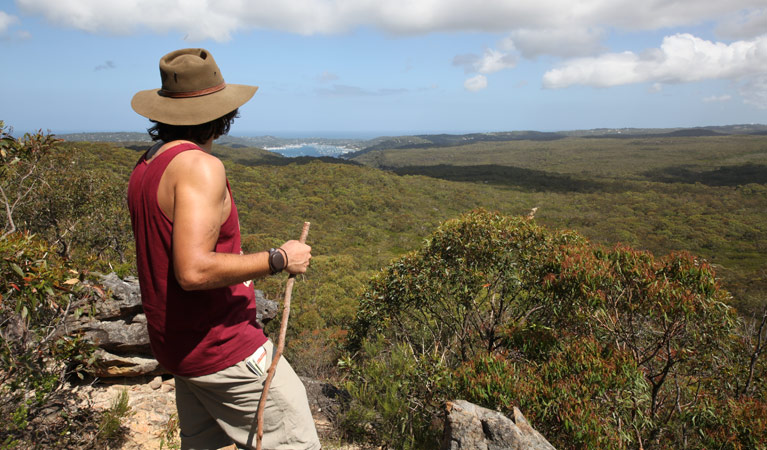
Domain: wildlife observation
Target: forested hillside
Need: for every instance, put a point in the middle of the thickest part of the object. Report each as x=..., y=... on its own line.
x=706, y=195
x=374, y=218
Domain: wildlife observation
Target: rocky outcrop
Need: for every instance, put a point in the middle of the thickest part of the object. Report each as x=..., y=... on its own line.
x=469, y=426
x=116, y=325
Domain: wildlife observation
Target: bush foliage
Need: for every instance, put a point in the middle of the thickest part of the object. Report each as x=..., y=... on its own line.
x=600, y=347
x=37, y=286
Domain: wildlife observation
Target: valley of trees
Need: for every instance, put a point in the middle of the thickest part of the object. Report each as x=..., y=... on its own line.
x=628, y=313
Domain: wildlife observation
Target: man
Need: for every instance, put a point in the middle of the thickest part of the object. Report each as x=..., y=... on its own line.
x=195, y=281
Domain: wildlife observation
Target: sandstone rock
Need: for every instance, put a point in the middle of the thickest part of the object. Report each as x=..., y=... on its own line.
x=118, y=336
x=125, y=300
x=109, y=365
x=469, y=426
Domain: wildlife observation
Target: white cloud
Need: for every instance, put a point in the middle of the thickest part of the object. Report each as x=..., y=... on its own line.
x=681, y=58
x=6, y=20
x=476, y=83
x=717, y=98
x=196, y=19
x=202, y=19
x=491, y=61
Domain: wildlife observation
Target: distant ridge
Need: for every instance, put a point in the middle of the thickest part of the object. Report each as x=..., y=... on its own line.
x=440, y=140
x=452, y=140
x=686, y=132
x=116, y=136
x=714, y=130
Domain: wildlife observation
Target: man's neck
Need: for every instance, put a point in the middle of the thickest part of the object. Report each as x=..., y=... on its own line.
x=207, y=146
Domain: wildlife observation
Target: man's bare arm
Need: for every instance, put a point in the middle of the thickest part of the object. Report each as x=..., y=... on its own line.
x=199, y=203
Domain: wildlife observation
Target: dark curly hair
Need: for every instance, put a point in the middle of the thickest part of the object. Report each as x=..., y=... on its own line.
x=196, y=133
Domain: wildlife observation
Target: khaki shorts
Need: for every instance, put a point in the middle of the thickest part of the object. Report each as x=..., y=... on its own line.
x=218, y=409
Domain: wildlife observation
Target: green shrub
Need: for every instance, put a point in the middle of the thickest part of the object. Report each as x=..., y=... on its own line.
x=36, y=289
x=393, y=396
x=110, y=426
x=600, y=347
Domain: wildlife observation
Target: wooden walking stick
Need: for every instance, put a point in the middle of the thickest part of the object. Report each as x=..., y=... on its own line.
x=280, y=346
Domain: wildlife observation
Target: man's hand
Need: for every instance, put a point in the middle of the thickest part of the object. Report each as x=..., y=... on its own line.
x=298, y=256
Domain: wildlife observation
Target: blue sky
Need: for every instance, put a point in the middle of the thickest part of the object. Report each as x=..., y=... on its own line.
x=362, y=68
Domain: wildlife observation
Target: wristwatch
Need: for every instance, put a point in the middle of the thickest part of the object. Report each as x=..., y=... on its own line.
x=277, y=260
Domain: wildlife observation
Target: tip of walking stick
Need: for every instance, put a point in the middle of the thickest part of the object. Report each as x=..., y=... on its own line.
x=305, y=232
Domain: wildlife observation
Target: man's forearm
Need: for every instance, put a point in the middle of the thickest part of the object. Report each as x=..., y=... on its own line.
x=215, y=270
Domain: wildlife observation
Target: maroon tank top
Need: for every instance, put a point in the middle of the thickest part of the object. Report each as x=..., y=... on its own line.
x=192, y=333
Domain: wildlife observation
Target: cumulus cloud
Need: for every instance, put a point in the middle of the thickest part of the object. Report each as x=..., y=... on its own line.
x=491, y=61
x=476, y=83
x=681, y=58
x=6, y=20
x=203, y=19
x=196, y=19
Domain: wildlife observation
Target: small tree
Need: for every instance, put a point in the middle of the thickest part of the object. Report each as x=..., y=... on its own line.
x=458, y=294
x=22, y=165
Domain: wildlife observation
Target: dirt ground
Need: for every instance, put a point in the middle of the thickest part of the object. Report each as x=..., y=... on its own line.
x=152, y=424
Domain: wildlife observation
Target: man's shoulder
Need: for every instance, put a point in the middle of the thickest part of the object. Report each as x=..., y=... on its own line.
x=198, y=167
x=194, y=160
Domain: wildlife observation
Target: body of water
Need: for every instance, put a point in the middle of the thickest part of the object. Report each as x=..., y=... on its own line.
x=310, y=149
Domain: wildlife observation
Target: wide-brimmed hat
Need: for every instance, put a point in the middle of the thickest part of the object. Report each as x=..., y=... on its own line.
x=193, y=90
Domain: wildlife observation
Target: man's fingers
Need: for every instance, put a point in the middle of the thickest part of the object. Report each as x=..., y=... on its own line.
x=299, y=256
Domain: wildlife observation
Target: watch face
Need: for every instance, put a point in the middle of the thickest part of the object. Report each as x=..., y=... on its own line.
x=278, y=261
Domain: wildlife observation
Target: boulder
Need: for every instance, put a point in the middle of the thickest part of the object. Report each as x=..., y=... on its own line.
x=118, y=336
x=125, y=300
x=469, y=426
